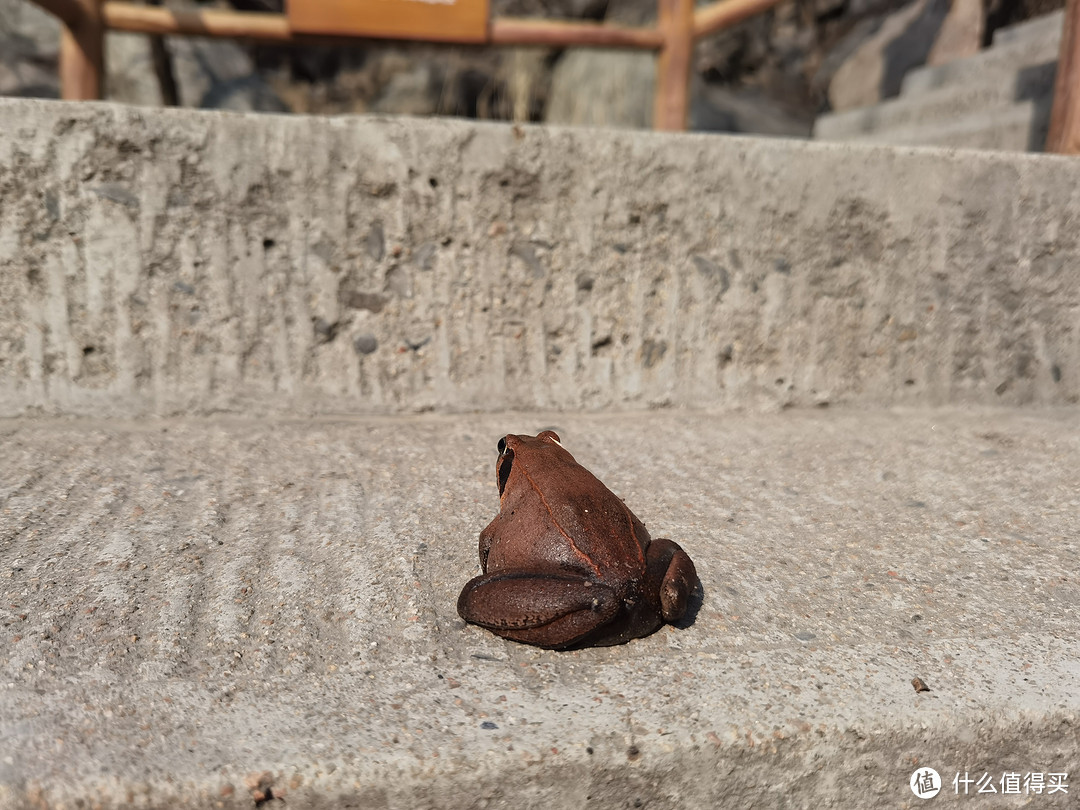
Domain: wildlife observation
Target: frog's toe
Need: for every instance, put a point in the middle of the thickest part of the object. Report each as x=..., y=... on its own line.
x=673, y=572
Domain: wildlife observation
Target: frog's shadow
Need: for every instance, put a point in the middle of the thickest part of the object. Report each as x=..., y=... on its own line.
x=693, y=604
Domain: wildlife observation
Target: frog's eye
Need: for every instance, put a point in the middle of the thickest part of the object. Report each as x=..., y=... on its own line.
x=502, y=469
x=502, y=446
x=550, y=436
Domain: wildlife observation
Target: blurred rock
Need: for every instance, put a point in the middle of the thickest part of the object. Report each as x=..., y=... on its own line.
x=877, y=66
x=961, y=34
x=129, y=70
x=602, y=88
x=412, y=91
x=723, y=109
x=29, y=48
x=219, y=74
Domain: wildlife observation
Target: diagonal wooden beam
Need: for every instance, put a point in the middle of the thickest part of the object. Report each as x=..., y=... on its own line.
x=712, y=18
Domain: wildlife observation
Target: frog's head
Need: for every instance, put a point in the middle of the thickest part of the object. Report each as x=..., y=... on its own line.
x=542, y=449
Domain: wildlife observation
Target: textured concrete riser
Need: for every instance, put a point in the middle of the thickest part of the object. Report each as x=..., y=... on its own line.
x=162, y=262
x=220, y=611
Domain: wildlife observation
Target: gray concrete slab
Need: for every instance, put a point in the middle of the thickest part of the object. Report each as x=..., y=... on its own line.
x=200, y=613
x=165, y=262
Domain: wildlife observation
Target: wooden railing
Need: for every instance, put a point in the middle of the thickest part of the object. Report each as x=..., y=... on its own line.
x=679, y=25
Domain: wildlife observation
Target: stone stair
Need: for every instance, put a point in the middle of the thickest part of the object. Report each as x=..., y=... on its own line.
x=998, y=99
x=253, y=373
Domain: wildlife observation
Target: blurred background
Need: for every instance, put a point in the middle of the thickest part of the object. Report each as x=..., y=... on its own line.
x=773, y=74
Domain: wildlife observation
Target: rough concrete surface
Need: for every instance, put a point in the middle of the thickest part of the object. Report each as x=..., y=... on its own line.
x=163, y=262
x=200, y=613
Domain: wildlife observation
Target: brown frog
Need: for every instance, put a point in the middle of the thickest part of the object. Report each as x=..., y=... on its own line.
x=565, y=562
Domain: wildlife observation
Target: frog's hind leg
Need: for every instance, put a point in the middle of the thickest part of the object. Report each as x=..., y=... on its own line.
x=671, y=573
x=541, y=609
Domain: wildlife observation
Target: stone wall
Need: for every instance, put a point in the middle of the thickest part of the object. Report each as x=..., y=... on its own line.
x=165, y=261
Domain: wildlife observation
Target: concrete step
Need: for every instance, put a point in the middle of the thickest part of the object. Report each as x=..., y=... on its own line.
x=1037, y=28
x=311, y=286
x=940, y=106
x=214, y=612
x=999, y=63
x=218, y=610
x=1020, y=127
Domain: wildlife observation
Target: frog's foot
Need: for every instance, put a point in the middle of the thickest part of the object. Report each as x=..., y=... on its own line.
x=671, y=571
x=542, y=609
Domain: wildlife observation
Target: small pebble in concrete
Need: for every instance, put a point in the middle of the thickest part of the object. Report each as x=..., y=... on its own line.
x=652, y=351
x=424, y=256
x=919, y=684
x=324, y=330
x=375, y=243
x=354, y=299
x=488, y=725
x=711, y=270
x=527, y=254
x=365, y=344
x=117, y=194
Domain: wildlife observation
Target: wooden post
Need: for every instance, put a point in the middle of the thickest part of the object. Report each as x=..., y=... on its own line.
x=1064, y=135
x=82, y=54
x=671, y=102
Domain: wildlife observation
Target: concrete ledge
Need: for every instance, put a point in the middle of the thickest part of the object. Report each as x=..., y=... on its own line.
x=162, y=262
x=195, y=612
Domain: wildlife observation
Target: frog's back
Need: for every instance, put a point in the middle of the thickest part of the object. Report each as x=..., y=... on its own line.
x=600, y=531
